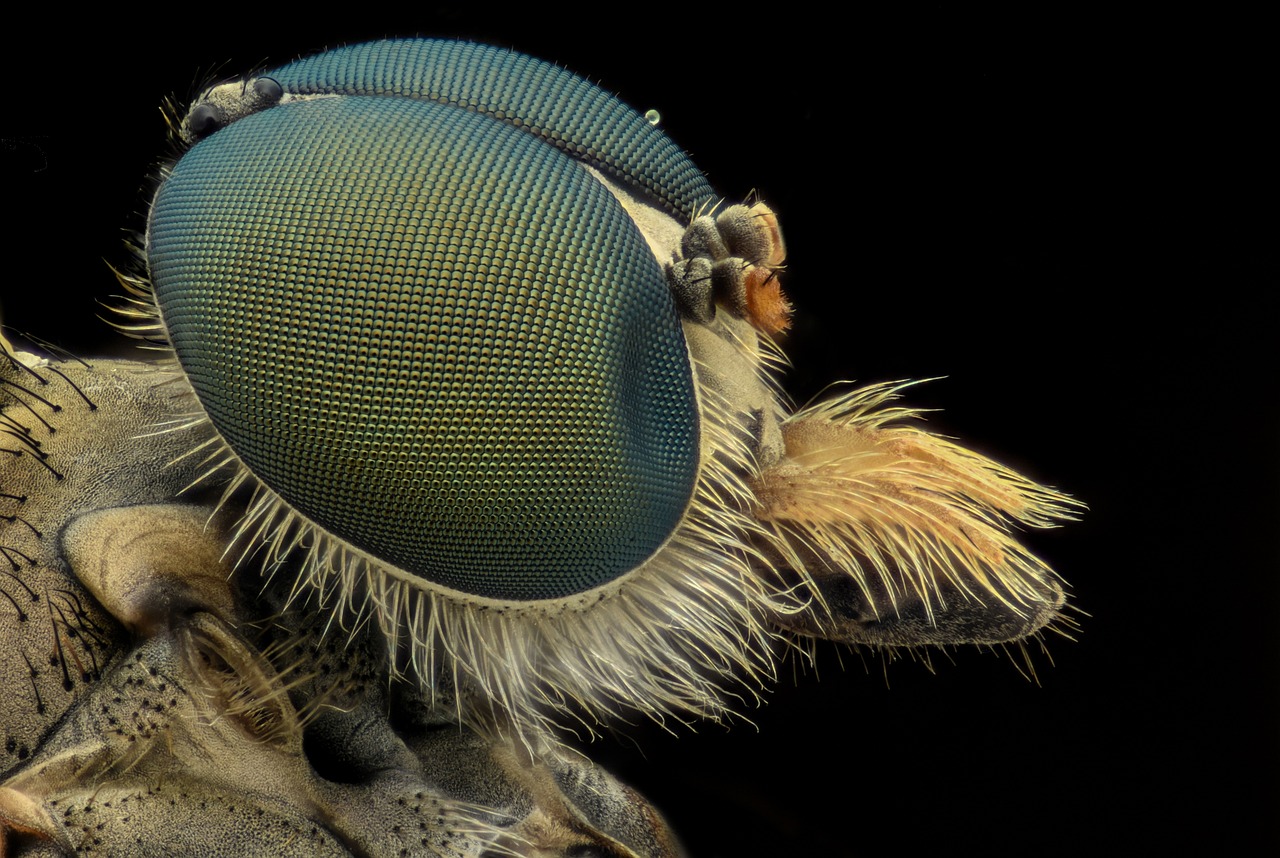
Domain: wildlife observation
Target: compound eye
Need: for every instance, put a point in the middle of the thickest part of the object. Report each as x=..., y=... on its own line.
x=204, y=119
x=584, y=121
x=435, y=337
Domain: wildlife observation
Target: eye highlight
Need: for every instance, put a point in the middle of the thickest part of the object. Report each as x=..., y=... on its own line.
x=495, y=368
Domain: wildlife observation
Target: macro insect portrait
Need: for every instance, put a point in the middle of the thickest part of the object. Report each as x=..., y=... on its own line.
x=463, y=440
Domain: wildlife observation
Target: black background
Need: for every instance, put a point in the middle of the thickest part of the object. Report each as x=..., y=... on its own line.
x=1052, y=210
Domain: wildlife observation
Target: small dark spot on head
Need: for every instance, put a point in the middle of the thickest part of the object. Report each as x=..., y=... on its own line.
x=204, y=120
x=268, y=90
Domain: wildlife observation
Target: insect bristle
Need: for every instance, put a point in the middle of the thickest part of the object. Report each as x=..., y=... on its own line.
x=904, y=511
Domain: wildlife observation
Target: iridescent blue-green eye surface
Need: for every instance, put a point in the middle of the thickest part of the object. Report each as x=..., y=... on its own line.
x=549, y=102
x=431, y=333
